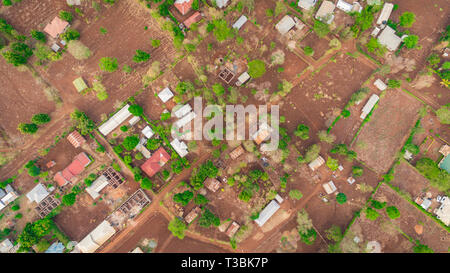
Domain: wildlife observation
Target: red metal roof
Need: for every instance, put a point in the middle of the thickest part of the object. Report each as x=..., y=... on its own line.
x=76, y=139
x=67, y=174
x=194, y=18
x=59, y=179
x=183, y=6
x=156, y=162
x=83, y=159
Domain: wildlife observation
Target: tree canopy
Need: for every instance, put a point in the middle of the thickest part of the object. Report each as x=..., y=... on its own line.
x=108, y=64
x=177, y=227
x=256, y=68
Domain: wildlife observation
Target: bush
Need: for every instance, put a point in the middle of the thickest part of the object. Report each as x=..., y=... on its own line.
x=183, y=198
x=146, y=183
x=27, y=128
x=66, y=16
x=118, y=149
x=371, y=214
x=38, y=36
x=136, y=110
x=108, y=64
x=393, y=212
x=69, y=199
x=308, y=51
x=130, y=142
x=156, y=43
x=40, y=119
x=18, y=54
x=341, y=198
x=141, y=56
x=377, y=204
x=302, y=131
x=357, y=171
x=83, y=123
x=411, y=41
x=177, y=227
x=295, y=194
x=256, y=68
x=325, y=137
x=321, y=29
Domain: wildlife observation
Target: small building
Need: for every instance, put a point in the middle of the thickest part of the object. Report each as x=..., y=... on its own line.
x=180, y=147
x=285, y=24
x=55, y=47
x=380, y=85
x=306, y=4
x=155, y=162
x=73, y=2
x=232, y=229
x=369, y=106
x=357, y=7
x=316, y=163
x=6, y=246
x=134, y=120
x=194, y=18
x=97, y=186
x=96, y=238
x=262, y=134
x=79, y=163
x=192, y=215
x=243, y=78
x=344, y=6
x=351, y=180
x=143, y=150
x=50, y=164
x=279, y=198
x=375, y=31
x=212, y=184
x=76, y=139
x=237, y=152
x=389, y=39
x=325, y=12
x=183, y=6
x=267, y=212
x=80, y=84
x=240, y=22
x=56, y=247
x=56, y=27
x=329, y=187
x=222, y=3
x=385, y=13
x=115, y=120
x=8, y=196
x=443, y=211
x=148, y=132
x=38, y=193
x=185, y=120
x=183, y=111
x=165, y=95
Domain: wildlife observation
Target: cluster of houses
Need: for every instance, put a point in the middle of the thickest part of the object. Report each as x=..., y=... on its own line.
x=325, y=13
x=70, y=173
x=108, y=177
x=7, y=196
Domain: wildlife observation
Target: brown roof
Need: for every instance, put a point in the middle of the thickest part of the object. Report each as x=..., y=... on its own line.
x=56, y=27
x=232, y=229
x=237, y=152
x=194, y=18
x=192, y=215
x=183, y=6
x=156, y=162
x=212, y=184
x=76, y=139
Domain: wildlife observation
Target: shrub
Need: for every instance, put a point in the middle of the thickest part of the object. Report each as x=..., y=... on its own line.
x=321, y=29
x=18, y=54
x=15, y=208
x=40, y=119
x=70, y=34
x=177, y=227
x=156, y=43
x=308, y=237
x=392, y=212
x=295, y=194
x=127, y=159
x=302, y=131
x=66, y=16
x=200, y=199
x=69, y=199
x=325, y=137
x=130, y=142
x=183, y=198
x=407, y=19
x=357, y=171
x=371, y=214
x=108, y=64
x=124, y=128
x=136, y=110
x=341, y=198
x=141, y=56
x=312, y=153
x=118, y=149
x=38, y=36
x=256, y=68
x=443, y=114
x=308, y=51
x=420, y=248
x=146, y=183
x=27, y=128
x=411, y=41
x=334, y=233
x=377, y=204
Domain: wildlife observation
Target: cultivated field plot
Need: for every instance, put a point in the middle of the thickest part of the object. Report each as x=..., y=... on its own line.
x=389, y=126
x=433, y=235
x=319, y=45
x=190, y=245
x=135, y=30
x=409, y=180
x=431, y=20
x=22, y=97
x=431, y=87
x=324, y=93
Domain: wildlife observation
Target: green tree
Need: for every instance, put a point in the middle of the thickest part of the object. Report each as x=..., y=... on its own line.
x=341, y=198
x=321, y=29
x=136, y=110
x=295, y=194
x=332, y=163
x=27, y=128
x=108, y=64
x=256, y=68
x=357, y=171
x=308, y=51
x=146, y=183
x=439, y=178
x=183, y=197
x=40, y=119
x=334, y=233
x=70, y=35
x=208, y=219
x=393, y=212
x=38, y=36
x=200, y=199
x=130, y=142
x=177, y=227
x=411, y=41
x=82, y=122
x=69, y=199
x=407, y=19
x=312, y=153
x=221, y=30
x=156, y=43
x=141, y=56
x=377, y=204
x=18, y=55
x=302, y=131
x=371, y=214
x=420, y=248
x=184, y=87
x=443, y=114
x=66, y=16
x=218, y=89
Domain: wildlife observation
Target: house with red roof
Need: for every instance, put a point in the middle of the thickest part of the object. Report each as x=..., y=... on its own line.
x=76, y=139
x=56, y=27
x=155, y=162
x=183, y=6
x=79, y=163
x=194, y=18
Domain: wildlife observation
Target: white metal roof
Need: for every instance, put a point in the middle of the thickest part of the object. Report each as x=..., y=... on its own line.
x=96, y=238
x=9, y=197
x=342, y=5
x=443, y=212
x=329, y=187
x=115, y=120
x=240, y=22
x=389, y=39
x=180, y=147
x=5, y=246
x=182, y=111
x=143, y=150
x=185, y=120
x=244, y=77
x=385, y=13
x=380, y=85
x=38, y=193
x=221, y=3
x=326, y=11
x=369, y=105
x=316, y=163
x=306, y=4
x=267, y=212
x=148, y=132
x=165, y=95
x=134, y=120
x=285, y=24
x=98, y=185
